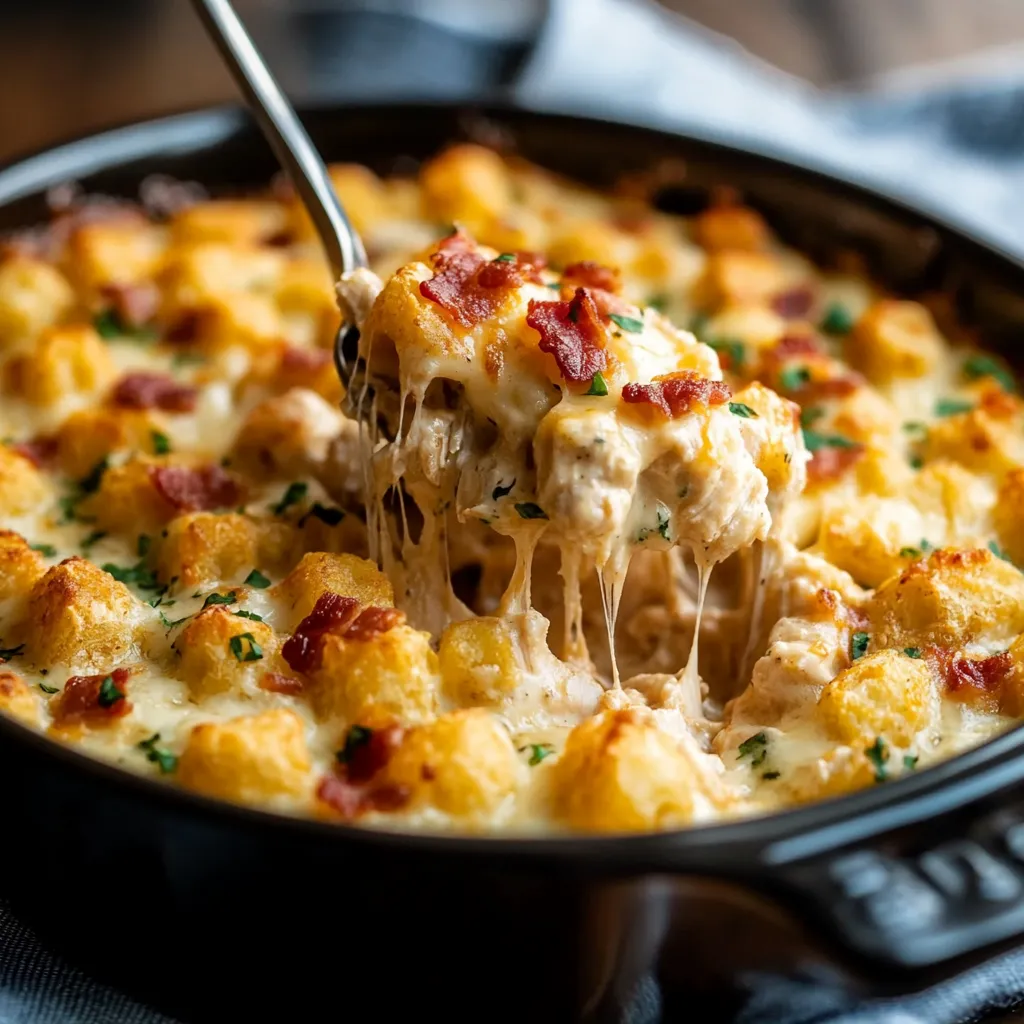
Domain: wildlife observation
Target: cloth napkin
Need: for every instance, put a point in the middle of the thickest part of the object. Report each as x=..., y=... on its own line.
x=957, y=150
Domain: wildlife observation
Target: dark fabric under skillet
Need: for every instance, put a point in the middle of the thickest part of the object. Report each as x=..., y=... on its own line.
x=667, y=73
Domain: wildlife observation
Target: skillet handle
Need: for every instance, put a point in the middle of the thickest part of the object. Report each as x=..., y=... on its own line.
x=915, y=897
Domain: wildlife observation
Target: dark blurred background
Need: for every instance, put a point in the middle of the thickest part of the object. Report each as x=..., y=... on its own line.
x=72, y=65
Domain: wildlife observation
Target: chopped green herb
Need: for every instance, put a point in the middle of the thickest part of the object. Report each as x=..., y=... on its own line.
x=295, y=493
x=229, y=598
x=858, y=645
x=538, y=751
x=731, y=348
x=505, y=257
x=6, y=653
x=138, y=575
x=915, y=427
x=912, y=652
x=926, y=545
x=326, y=514
x=878, y=754
x=356, y=737
x=183, y=359
x=257, y=579
x=91, y=481
x=952, y=406
x=109, y=694
x=770, y=775
x=998, y=551
x=627, y=323
x=910, y=761
x=242, y=652
x=143, y=544
x=664, y=519
x=107, y=324
x=699, y=324
x=598, y=386
x=916, y=462
x=837, y=319
x=46, y=550
x=164, y=758
x=243, y=614
x=810, y=415
x=910, y=552
x=161, y=442
x=793, y=378
x=530, y=510
x=48, y=689
x=500, y=491
x=172, y=623
x=744, y=411
x=94, y=538
x=985, y=366
x=554, y=285
x=814, y=441
x=659, y=302
x=756, y=748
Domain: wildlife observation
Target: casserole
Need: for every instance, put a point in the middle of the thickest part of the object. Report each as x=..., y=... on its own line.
x=570, y=926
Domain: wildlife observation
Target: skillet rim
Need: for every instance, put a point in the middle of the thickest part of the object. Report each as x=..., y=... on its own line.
x=774, y=839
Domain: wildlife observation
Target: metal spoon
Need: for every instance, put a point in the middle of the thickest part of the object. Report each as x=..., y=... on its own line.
x=294, y=150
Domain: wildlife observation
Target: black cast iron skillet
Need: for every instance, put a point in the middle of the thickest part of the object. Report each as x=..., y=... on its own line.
x=216, y=913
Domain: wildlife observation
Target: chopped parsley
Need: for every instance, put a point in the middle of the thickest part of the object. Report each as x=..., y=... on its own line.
x=163, y=758
x=90, y=483
x=598, y=386
x=161, y=443
x=910, y=552
x=910, y=761
x=48, y=689
x=627, y=323
x=878, y=754
x=858, y=645
x=793, y=378
x=110, y=326
x=326, y=514
x=172, y=623
x=109, y=694
x=916, y=462
x=356, y=737
x=815, y=441
x=137, y=575
x=505, y=257
x=94, y=538
x=143, y=544
x=500, y=492
x=257, y=579
x=530, y=510
x=731, y=348
x=699, y=324
x=998, y=551
x=245, y=648
x=46, y=550
x=985, y=366
x=837, y=319
x=243, y=614
x=664, y=518
x=756, y=748
x=292, y=496
x=6, y=653
x=659, y=302
x=215, y=598
x=912, y=652
x=952, y=406
x=743, y=411
x=810, y=415
x=926, y=544
x=538, y=751
x=770, y=775
x=915, y=427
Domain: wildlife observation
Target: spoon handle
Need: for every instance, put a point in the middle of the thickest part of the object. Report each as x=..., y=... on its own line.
x=283, y=130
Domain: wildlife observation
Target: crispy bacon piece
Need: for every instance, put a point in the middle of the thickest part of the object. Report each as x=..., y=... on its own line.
x=971, y=679
x=340, y=616
x=38, y=450
x=85, y=698
x=794, y=303
x=795, y=345
x=675, y=394
x=185, y=329
x=589, y=274
x=295, y=359
x=147, y=390
x=351, y=790
x=573, y=333
x=467, y=285
x=830, y=463
x=369, y=758
x=135, y=304
x=277, y=682
x=834, y=387
x=195, y=489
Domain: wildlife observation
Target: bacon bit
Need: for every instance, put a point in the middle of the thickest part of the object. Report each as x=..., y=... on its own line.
x=373, y=622
x=280, y=239
x=350, y=790
x=795, y=345
x=340, y=795
x=135, y=304
x=80, y=699
x=304, y=360
x=833, y=387
x=195, y=490
x=146, y=390
x=185, y=329
x=38, y=450
x=370, y=757
x=999, y=404
x=588, y=274
x=332, y=612
x=277, y=682
x=830, y=463
x=675, y=394
x=470, y=287
x=573, y=333
x=794, y=303
x=971, y=679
